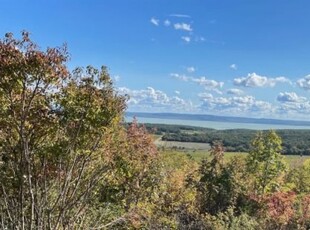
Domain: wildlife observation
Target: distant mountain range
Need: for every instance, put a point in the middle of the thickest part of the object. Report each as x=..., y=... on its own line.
x=203, y=117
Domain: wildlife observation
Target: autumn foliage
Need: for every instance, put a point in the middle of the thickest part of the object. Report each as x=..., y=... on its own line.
x=68, y=160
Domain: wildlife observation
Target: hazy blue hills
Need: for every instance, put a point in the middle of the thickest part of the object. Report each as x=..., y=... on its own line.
x=203, y=117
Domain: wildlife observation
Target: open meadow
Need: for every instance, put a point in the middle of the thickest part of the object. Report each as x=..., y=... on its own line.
x=200, y=151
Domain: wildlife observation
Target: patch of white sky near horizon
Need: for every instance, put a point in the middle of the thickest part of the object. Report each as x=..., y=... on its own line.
x=247, y=59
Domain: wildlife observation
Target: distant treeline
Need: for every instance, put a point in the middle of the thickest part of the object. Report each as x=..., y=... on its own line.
x=295, y=141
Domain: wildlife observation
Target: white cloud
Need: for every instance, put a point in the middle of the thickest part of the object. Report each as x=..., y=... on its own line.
x=291, y=106
x=167, y=23
x=290, y=97
x=180, y=15
x=295, y=110
x=186, y=39
x=190, y=69
x=154, y=21
x=237, y=92
x=255, y=80
x=205, y=96
x=280, y=80
x=241, y=106
x=180, y=77
x=304, y=83
x=183, y=26
x=147, y=95
x=150, y=99
x=233, y=66
x=210, y=85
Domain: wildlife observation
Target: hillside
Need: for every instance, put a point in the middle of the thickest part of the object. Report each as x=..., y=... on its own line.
x=294, y=141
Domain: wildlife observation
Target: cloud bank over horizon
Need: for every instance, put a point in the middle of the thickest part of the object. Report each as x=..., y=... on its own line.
x=214, y=98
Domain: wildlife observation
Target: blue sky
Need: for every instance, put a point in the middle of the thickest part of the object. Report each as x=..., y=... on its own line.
x=231, y=57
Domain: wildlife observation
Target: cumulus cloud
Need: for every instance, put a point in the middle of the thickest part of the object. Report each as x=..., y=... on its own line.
x=154, y=21
x=304, y=83
x=241, y=105
x=295, y=109
x=157, y=100
x=186, y=39
x=290, y=97
x=180, y=77
x=205, y=96
x=233, y=66
x=190, y=69
x=291, y=105
x=183, y=26
x=177, y=24
x=151, y=99
x=237, y=92
x=167, y=23
x=210, y=85
x=255, y=80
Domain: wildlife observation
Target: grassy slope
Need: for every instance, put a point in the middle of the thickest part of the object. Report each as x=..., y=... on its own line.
x=198, y=155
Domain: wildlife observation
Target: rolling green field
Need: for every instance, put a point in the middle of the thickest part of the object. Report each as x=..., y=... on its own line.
x=199, y=155
x=182, y=145
x=294, y=142
x=198, y=151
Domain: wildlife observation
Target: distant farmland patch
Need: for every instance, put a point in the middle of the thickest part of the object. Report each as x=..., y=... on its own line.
x=182, y=145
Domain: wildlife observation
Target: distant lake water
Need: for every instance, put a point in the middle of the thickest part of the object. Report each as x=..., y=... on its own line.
x=214, y=124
